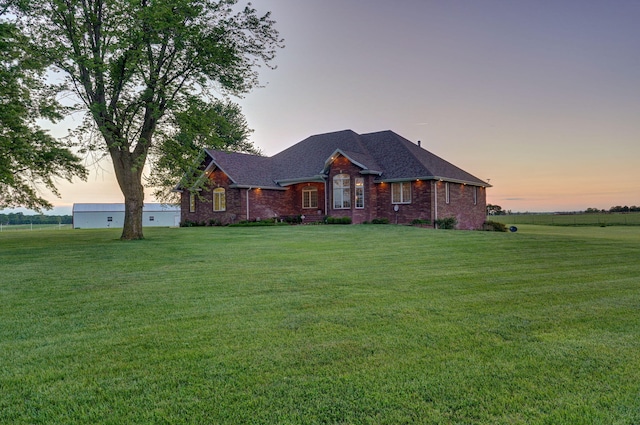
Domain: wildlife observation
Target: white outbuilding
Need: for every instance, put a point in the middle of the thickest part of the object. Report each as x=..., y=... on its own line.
x=104, y=216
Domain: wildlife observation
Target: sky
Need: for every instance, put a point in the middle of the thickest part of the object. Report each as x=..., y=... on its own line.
x=540, y=97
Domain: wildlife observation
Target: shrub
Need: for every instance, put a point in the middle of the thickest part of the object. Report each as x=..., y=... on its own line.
x=446, y=223
x=494, y=226
x=293, y=219
x=265, y=222
x=419, y=222
x=189, y=223
x=338, y=220
x=383, y=220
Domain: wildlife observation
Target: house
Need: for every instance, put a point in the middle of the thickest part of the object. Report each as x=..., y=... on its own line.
x=102, y=216
x=340, y=174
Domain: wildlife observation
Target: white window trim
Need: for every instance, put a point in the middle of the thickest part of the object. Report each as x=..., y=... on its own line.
x=359, y=187
x=402, y=200
x=344, y=199
x=447, y=193
x=475, y=195
x=309, y=190
x=221, y=194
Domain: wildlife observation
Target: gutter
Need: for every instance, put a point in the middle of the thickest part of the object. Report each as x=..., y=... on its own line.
x=287, y=182
x=447, y=179
x=245, y=186
x=435, y=209
x=248, y=189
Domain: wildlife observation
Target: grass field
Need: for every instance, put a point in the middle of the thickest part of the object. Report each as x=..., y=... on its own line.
x=595, y=219
x=34, y=227
x=321, y=325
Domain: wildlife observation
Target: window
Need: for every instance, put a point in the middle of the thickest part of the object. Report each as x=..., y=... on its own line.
x=359, y=192
x=310, y=197
x=447, y=197
x=109, y=218
x=219, y=199
x=401, y=193
x=151, y=218
x=341, y=192
x=475, y=195
x=192, y=202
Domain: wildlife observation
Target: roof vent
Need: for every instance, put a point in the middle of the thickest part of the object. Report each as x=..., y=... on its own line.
x=419, y=143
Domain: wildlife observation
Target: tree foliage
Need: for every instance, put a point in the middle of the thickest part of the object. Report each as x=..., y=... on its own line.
x=216, y=125
x=136, y=64
x=495, y=210
x=626, y=208
x=30, y=158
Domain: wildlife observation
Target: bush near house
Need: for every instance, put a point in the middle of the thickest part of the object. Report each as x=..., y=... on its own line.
x=494, y=226
x=338, y=220
x=383, y=220
x=446, y=223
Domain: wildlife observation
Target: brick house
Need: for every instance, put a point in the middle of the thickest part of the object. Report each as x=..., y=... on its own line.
x=340, y=174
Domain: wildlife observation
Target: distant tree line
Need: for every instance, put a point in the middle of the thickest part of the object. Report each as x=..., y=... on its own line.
x=20, y=218
x=497, y=210
x=616, y=209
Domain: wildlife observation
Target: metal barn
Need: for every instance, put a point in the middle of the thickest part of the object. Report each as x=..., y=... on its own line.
x=104, y=216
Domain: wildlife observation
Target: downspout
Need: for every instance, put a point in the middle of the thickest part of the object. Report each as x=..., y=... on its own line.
x=435, y=203
x=248, y=202
x=326, y=202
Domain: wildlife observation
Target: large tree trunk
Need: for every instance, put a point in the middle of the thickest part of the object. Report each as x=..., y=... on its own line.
x=129, y=175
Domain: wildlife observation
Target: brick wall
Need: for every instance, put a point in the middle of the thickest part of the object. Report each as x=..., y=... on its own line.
x=461, y=204
x=342, y=165
x=295, y=198
x=266, y=203
x=204, y=202
x=419, y=208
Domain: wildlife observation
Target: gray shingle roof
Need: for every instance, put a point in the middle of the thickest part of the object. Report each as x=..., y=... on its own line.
x=385, y=153
x=244, y=169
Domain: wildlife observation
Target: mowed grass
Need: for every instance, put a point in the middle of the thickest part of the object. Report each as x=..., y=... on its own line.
x=321, y=325
x=577, y=219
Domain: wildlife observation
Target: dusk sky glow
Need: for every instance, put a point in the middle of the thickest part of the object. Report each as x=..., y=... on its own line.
x=541, y=97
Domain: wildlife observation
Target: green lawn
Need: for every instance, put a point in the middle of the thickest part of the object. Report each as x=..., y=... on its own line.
x=578, y=219
x=366, y=324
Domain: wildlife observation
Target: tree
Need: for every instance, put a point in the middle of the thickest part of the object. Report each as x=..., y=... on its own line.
x=218, y=125
x=30, y=158
x=495, y=210
x=133, y=62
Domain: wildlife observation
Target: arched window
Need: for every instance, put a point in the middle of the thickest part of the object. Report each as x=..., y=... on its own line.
x=310, y=197
x=341, y=192
x=219, y=199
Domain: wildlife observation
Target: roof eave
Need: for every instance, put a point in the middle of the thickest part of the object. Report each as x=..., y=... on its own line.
x=289, y=182
x=378, y=173
x=333, y=157
x=255, y=186
x=437, y=178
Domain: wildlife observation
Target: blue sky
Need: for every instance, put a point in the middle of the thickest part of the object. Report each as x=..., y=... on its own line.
x=540, y=97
